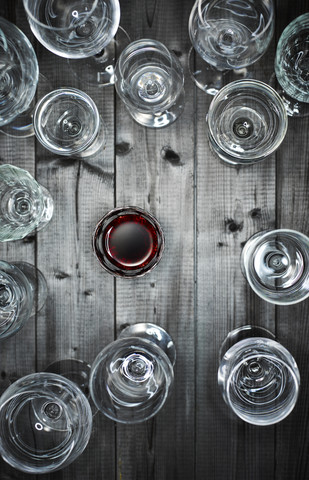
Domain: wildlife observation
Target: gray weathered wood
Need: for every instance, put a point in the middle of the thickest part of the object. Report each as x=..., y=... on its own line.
x=197, y=292
x=164, y=446
x=292, y=322
x=232, y=204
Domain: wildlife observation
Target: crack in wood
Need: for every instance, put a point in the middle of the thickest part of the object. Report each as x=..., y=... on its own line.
x=151, y=6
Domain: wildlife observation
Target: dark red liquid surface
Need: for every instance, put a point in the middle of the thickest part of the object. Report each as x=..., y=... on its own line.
x=130, y=241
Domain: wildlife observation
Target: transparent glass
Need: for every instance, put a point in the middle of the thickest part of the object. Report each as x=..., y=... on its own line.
x=128, y=242
x=23, y=291
x=292, y=65
x=24, y=204
x=149, y=80
x=131, y=378
x=228, y=36
x=78, y=371
x=276, y=265
x=45, y=423
x=247, y=122
x=19, y=73
x=75, y=29
x=67, y=122
x=258, y=377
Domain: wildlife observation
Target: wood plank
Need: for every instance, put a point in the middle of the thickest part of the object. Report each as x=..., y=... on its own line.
x=292, y=324
x=81, y=303
x=232, y=204
x=163, y=447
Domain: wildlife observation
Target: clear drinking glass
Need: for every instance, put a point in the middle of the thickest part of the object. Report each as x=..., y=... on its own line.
x=292, y=65
x=19, y=73
x=258, y=377
x=228, y=36
x=128, y=242
x=247, y=122
x=276, y=265
x=149, y=80
x=131, y=378
x=67, y=122
x=77, y=29
x=24, y=204
x=45, y=423
x=23, y=291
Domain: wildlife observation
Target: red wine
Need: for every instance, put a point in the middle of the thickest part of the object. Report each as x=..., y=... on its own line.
x=128, y=241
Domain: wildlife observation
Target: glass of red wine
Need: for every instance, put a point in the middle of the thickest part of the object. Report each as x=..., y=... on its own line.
x=128, y=242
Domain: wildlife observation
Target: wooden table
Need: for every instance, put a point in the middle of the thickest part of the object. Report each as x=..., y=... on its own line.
x=197, y=292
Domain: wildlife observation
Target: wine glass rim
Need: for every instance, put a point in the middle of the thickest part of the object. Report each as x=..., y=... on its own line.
x=32, y=58
x=49, y=98
x=281, y=295
x=147, y=43
x=131, y=340
x=210, y=2
x=282, y=231
x=293, y=371
x=78, y=23
x=266, y=89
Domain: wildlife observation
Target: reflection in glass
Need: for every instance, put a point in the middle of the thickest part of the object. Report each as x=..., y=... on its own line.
x=292, y=66
x=276, y=265
x=246, y=121
x=25, y=205
x=258, y=377
x=19, y=73
x=149, y=80
x=45, y=423
x=131, y=378
x=228, y=36
x=67, y=122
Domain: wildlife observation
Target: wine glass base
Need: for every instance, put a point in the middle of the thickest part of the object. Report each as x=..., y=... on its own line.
x=208, y=78
x=241, y=333
x=155, y=334
x=99, y=69
x=163, y=119
x=38, y=282
x=294, y=107
x=98, y=144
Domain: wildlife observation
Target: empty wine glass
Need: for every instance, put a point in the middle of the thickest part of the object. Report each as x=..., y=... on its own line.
x=228, y=36
x=258, y=377
x=128, y=242
x=67, y=122
x=24, y=204
x=149, y=80
x=23, y=291
x=19, y=73
x=45, y=423
x=247, y=122
x=292, y=66
x=131, y=378
x=77, y=29
x=276, y=265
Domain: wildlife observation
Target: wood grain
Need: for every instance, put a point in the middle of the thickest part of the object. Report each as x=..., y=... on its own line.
x=197, y=293
x=292, y=324
x=157, y=174
x=232, y=204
